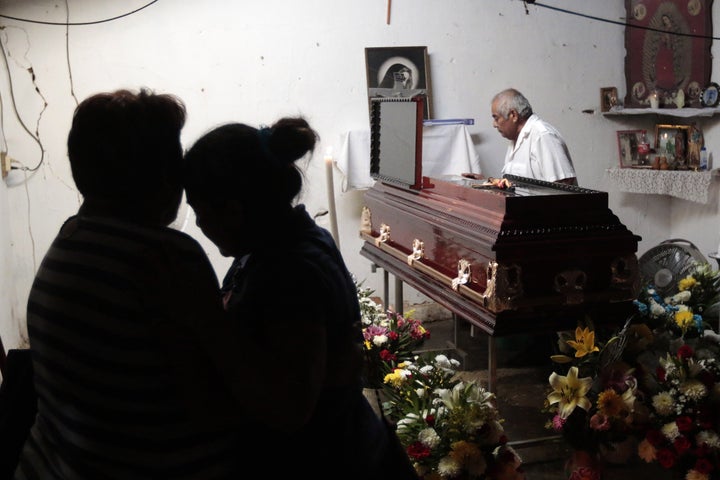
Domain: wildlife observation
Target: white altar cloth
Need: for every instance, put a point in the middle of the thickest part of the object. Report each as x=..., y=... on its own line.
x=446, y=150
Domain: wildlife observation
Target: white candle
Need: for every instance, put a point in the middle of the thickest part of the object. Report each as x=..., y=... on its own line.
x=331, y=195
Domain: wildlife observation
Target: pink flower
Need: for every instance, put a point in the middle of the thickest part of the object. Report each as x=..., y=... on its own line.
x=585, y=473
x=600, y=422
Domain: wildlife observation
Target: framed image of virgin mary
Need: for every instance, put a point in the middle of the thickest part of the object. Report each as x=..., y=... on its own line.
x=402, y=72
x=667, y=49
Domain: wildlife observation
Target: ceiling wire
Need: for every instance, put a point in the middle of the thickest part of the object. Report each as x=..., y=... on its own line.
x=615, y=22
x=94, y=22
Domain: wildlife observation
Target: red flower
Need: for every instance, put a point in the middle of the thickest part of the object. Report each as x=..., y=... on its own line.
x=430, y=420
x=704, y=466
x=660, y=373
x=685, y=352
x=682, y=444
x=387, y=356
x=393, y=336
x=418, y=451
x=666, y=458
x=684, y=424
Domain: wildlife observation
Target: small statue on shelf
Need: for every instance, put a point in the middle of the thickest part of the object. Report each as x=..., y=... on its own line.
x=695, y=143
x=680, y=150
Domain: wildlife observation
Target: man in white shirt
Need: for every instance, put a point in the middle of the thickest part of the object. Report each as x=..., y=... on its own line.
x=537, y=150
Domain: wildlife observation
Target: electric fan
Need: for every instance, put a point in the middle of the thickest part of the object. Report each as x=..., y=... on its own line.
x=667, y=263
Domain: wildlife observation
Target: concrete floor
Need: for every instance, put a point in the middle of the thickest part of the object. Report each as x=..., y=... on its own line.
x=523, y=368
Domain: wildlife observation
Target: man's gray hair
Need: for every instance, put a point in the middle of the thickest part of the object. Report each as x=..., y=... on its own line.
x=511, y=99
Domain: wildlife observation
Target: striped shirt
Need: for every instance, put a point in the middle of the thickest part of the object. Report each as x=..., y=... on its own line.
x=111, y=369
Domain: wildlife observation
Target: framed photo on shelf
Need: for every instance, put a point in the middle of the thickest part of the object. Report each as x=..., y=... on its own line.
x=671, y=141
x=710, y=95
x=608, y=98
x=667, y=45
x=402, y=72
x=628, y=148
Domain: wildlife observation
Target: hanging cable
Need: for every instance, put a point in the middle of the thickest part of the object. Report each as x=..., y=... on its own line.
x=615, y=22
x=95, y=22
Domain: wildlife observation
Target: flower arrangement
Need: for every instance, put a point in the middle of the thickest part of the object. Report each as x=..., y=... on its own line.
x=686, y=415
x=389, y=336
x=683, y=313
x=450, y=427
x=592, y=405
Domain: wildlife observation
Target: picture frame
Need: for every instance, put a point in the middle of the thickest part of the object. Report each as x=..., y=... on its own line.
x=667, y=48
x=710, y=95
x=628, y=141
x=671, y=141
x=399, y=72
x=608, y=98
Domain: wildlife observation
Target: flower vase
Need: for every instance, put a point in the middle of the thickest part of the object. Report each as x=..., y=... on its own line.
x=584, y=465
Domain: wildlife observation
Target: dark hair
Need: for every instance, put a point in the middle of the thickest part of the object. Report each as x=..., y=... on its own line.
x=123, y=143
x=238, y=162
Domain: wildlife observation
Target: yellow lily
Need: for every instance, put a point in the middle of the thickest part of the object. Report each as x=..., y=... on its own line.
x=584, y=342
x=569, y=392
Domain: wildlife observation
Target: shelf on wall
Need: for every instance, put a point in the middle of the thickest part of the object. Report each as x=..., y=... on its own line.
x=670, y=112
x=685, y=184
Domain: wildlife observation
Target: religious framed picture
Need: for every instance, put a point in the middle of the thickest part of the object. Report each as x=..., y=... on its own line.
x=667, y=49
x=671, y=141
x=628, y=147
x=402, y=72
x=710, y=95
x=608, y=98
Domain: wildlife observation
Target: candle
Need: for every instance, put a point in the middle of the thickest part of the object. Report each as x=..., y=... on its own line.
x=331, y=195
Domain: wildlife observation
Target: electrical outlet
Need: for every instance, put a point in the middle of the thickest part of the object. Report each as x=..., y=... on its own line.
x=5, y=164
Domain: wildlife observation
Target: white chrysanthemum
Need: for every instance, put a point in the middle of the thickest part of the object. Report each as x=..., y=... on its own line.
x=449, y=364
x=429, y=438
x=693, y=389
x=448, y=467
x=656, y=310
x=708, y=437
x=670, y=430
x=426, y=369
x=680, y=297
x=663, y=403
x=379, y=340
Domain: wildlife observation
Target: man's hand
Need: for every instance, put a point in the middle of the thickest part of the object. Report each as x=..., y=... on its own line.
x=474, y=176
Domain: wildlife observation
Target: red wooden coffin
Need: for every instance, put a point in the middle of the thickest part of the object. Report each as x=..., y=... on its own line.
x=536, y=256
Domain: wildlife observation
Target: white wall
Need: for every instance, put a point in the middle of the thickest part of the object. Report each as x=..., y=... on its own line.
x=256, y=61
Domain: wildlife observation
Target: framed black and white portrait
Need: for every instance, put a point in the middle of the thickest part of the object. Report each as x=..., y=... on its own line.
x=399, y=72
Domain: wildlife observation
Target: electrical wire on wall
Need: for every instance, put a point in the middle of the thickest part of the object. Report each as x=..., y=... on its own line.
x=613, y=22
x=5, y=51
